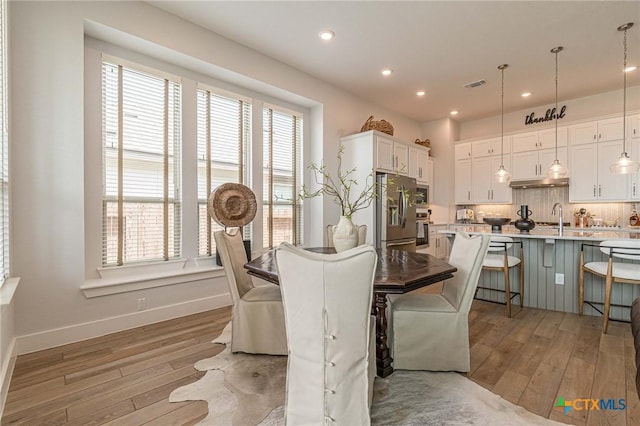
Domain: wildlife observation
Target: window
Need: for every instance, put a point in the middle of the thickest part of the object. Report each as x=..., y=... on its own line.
x=224, y=136
x=4, y=149
x=282, y=208
x=141, y=136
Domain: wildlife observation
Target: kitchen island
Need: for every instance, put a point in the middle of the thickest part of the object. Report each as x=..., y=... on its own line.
x=551, y=265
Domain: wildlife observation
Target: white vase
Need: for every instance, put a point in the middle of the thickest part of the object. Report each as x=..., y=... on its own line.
x=345, y=235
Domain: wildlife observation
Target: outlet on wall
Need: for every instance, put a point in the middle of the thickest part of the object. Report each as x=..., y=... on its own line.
x=142, y=304
x=560, y=279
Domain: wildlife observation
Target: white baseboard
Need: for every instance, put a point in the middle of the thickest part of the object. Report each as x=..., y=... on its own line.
x=6, y=373
x=78, y=332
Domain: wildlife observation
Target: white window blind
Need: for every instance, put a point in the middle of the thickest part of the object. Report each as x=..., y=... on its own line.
x=141, y=166
x=224, y=135
x=282, y=208
x=4, y=148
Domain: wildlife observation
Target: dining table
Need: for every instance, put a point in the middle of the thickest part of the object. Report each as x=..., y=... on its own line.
x=397, y=272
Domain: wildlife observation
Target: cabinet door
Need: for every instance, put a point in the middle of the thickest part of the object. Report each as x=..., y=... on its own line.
x=547, y=138
x=497, y=143
x=546, y=158
x=524, y=142
x=525, y=165
x=481, y=149
x=442, y=249
x=634, y=188
x=430, y=179
x=481, y=175
x=423, y=166
x=401, y=153
x=500, y=192
x=385, y=159
x=414, y=168
x=462, y=192
x=583, y=183
x=610, y=186
x=633, y=126
x=610, y=130
x=462, y=151
x=583, y=133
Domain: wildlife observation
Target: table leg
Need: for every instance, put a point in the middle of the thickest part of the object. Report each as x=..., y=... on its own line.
x=383, y=359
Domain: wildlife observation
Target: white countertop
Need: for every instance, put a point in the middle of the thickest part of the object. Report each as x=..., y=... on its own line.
x=545, y=232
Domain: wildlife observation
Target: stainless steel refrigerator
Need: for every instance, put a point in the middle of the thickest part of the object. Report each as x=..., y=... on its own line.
x=396, y=212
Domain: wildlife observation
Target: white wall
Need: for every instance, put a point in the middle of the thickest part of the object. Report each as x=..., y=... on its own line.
x=578, y=110
x=47, y=155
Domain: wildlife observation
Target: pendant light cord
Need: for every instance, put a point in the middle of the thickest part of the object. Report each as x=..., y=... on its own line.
x=502, y=118
x=624, y=96
x=556, y=107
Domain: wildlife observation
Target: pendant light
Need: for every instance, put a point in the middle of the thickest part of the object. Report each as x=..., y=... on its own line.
x=624, y=165
x=502, y=175
x=557, y=170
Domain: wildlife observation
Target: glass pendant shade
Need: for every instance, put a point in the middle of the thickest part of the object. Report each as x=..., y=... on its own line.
x=624, y=165
x=557, y=171
x=502, y=175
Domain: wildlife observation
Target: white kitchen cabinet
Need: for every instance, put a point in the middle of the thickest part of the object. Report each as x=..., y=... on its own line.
x=438, y=243
x=462, y=192
x=490, y=147
x=391, y=155
x=462, y=151
x=534, y=164
x=591, y=179
x=419, y=164
x=534, y=152
x=596, y=131
x=484, y=187
x=430, y=178
x=633, y=149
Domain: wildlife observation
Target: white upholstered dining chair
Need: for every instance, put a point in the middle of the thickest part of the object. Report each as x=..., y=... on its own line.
x=614, y=269
x=362, y=235
x=327, y=302
x=431, y=331
x=257, y=317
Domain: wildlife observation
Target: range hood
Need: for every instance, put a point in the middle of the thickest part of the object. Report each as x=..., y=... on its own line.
x=539, y=183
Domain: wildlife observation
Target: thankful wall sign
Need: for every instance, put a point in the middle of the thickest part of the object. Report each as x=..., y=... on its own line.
x=548, y=116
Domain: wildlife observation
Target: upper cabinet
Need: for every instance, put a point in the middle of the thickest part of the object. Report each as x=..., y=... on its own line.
x=633, y=149
x=391, y=155
x=594, y=147
x=419, y=165
x=534, y=152
x=462, y=151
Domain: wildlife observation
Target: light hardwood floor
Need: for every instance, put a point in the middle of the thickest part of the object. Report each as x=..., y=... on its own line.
x=125, y=378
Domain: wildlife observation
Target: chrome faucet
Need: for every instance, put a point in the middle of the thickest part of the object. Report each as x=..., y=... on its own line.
x=553, y=212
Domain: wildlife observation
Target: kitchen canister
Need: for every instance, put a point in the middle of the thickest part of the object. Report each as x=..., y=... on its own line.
x=524, y=224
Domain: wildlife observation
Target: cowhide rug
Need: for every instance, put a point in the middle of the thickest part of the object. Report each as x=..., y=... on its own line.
x=244, y=389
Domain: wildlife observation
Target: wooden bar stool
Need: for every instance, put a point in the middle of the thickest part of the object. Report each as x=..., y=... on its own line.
x=498, y=259
x=617, y=269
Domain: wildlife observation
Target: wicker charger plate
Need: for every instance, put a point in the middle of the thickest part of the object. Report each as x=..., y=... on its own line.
x=232, y=204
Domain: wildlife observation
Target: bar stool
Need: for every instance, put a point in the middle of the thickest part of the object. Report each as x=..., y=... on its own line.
x=498, y=259
x=612, y=271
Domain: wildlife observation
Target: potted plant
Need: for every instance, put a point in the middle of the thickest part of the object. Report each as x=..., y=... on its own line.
x=347, y=193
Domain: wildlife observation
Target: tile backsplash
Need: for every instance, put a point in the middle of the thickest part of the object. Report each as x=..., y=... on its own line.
x=541, y=200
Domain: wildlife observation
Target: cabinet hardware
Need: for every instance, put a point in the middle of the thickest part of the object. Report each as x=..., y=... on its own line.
x=599, y=135
x=634, y=189
x=599, y=190
x=594, y=136
x=489, y=194
x=468, y=195
x=594, y=191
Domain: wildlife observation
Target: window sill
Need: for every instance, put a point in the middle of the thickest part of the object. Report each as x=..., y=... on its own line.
x=8, y=289
x=139, y=277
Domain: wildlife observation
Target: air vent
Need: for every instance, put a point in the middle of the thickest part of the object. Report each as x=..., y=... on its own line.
x=475, y=84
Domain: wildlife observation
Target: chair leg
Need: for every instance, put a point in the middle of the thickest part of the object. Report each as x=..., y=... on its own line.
x=507, y=290
x=581, y=284
x=608, y=283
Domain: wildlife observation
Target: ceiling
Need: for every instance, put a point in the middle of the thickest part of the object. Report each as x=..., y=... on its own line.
x=438, y=46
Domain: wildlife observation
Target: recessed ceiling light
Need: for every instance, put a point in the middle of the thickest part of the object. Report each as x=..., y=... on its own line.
x=327, y=35
x=454, y=112
x=386, y=71
x=526, y=94
x=631, y=68
x=421, y=93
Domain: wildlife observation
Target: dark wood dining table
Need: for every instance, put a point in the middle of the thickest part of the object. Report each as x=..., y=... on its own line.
x=397, y=272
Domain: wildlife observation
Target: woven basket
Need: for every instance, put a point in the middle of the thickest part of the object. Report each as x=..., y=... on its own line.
x=426, y=143
x=381, y=126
